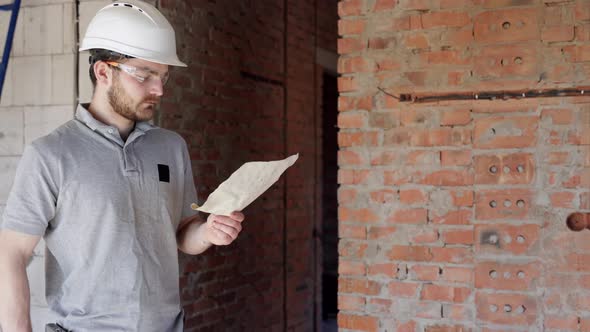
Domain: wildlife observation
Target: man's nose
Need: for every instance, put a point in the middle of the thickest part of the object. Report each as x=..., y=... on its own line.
x=156, y=87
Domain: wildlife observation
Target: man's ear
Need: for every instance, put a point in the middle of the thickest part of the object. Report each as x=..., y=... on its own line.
x=103, y=72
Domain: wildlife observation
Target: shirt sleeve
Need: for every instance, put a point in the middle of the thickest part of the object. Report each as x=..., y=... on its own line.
x=32, y=201
x=190, y=193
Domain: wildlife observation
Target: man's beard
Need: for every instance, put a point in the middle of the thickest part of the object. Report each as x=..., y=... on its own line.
x=123, y=105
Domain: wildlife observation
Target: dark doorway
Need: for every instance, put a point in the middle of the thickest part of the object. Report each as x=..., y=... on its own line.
x=329, y=202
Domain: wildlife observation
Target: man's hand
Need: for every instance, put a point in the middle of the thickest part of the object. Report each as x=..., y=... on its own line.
x=195, y=236
x=222, y=230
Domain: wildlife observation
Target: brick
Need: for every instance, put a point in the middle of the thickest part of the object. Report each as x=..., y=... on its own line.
x=383, y=120
x=506, y=276
x=458, y=38
x=458, y=117
x=444, y=19
x=455, y=158
x=505, y=132
x=357, y=64
x=582, y=32
x=382, y=5
x=409, y=216
x=348, y=103
x=558, y=116
x=351, y=268
x=349, y=45
x=410, y=253
x=458, y=217
x=461, y=198
x=582, y=10
x=429, y=310
x=585, y=201
x=516, y=168
x=387, y=64
x=403, y=289
x=351, y=231
x=383, y=196
x=351, y=303
x=412, y=117
x=457, y=237
x=406, y=327
x=379, y=232
x=446, y=328
x=351, y=27
x=355, y=322
x=380, y=306
x=424, y=236
x=349, y=8
x=500, y=61
x=348, y=157
x=423, y=157
x=351, y=248
x=445, y=57
x=577, y=53
x=557, y=34
x=347, y=84
x=503, y=204
x=506, y=239
x=346, y=195
x=385, y=269
x=561, y=323
x=346, y=139
x=562, y=199
x=461, y=275
x=381, y=43
x=557, y=158
x=352, y=176
x=386, y=158
x=395, y=178
x=441, y=137
x=416, y=40
x=448, y=178
x=443, y=293
x=580, y=179
x=510, y=309
x=363, y=215
x=452, y=255
x=425, y=272
x=506, y=25
x=352, y=120
x=358, y=286
x=412, y=196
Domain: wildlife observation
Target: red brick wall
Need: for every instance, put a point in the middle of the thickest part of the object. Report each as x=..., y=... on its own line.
x=453, y=214
x=249, y=93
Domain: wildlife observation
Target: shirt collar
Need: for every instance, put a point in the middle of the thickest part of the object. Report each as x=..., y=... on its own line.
x=84, y=116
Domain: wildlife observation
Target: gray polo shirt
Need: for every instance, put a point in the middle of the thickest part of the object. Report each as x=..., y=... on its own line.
x=108, y=211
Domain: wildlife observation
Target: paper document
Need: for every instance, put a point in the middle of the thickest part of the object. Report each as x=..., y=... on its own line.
x=244, y=186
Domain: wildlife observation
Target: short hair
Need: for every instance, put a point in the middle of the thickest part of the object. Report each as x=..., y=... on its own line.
x=100, y=54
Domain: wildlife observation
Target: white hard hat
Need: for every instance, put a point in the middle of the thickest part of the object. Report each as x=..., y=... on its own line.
x=133, y=28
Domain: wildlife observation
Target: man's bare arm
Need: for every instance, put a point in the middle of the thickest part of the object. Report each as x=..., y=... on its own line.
x=194, y=235
x=15, y=251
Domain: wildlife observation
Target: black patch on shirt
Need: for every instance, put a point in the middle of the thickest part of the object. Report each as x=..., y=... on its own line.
x=164, y=173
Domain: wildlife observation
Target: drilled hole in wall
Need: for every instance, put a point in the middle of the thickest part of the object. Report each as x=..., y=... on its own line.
x=507, y=203
x=507, y=308
x=520, y=239
x=502, y=62
x=493, y=239
x=521, y=309
x=493, y=308
x=506, y=169
x=493, y=274
x=520, y=168
x=521, y=274
x=493, y=131
x=507, y=275
x=520, y=203
x=518, y=60
x=506, y=25
x=493, y=204
x=493, y=169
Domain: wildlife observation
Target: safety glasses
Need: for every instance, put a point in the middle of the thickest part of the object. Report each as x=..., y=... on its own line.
x=140, y=74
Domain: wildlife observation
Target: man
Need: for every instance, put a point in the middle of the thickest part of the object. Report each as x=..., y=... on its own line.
x=110, y=194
